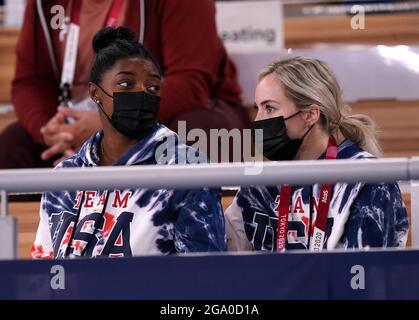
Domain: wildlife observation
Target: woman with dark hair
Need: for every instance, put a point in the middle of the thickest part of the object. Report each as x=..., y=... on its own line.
x=201, y=85
x=125, y=85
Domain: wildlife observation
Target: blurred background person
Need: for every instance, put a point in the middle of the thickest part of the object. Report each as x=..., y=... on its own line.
x=200, y=82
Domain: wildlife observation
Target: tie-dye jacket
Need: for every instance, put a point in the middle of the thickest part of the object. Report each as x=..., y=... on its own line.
x=360, y=215
x=120, y=223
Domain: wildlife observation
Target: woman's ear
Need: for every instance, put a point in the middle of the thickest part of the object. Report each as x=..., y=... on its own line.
x=312, y=114
x=94, y=92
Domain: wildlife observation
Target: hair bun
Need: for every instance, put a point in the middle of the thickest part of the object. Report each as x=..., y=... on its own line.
x=108, y=36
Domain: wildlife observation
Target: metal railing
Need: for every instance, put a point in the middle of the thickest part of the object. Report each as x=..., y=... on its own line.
x=211, y=175
x=216, y=175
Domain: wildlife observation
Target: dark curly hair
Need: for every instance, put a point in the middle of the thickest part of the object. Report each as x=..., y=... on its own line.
x=111, y=45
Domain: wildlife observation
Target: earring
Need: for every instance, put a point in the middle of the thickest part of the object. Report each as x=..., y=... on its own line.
x=97, y=102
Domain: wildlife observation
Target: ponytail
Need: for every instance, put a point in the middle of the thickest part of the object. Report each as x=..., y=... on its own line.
x=361, y=130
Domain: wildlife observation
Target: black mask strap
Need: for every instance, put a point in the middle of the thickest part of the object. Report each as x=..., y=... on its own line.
x=295, y=115
x=307, y=131
x=100, y=104
x=101, y=108
x=104, y=91
x=292, y=115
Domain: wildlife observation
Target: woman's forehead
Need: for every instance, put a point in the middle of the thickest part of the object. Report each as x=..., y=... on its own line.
x=134, y=65
x=269, y=88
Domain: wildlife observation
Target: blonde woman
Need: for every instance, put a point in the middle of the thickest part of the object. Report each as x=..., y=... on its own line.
x=300, y=110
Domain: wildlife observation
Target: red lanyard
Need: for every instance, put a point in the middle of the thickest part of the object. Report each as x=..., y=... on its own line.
x=114, y=13
x=70, y=53
x=283, y=210
x=322, y=211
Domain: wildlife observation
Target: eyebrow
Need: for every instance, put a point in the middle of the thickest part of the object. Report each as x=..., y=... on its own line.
x=127, y=73
x=155, y=75
x=130, y=73
x=268, y=101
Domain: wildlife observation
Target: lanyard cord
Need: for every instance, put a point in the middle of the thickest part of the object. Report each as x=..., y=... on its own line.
x=310, y=215
x=283, y=209
x=72, y=41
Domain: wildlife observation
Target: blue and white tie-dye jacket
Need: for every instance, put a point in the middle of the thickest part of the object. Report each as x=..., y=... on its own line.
x=360, y=215
x=130, y=222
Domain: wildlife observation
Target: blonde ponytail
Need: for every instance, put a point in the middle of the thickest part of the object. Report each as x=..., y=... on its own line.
x=361, y=130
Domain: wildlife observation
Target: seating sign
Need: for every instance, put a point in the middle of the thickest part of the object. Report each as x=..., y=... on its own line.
x=250, y=26
x=14, y=11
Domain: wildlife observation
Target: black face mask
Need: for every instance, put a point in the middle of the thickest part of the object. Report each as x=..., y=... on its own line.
x=134, y=113
x=277, y=146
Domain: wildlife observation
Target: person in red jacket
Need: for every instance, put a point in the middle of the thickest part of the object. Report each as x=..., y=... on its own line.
x=200, y=81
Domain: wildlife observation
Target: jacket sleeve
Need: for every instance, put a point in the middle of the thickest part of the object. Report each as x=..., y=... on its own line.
x=236, y=236
x=378, y=218
x=35, y=86
x=42, y=246
x=200, y=224
x=191, y=53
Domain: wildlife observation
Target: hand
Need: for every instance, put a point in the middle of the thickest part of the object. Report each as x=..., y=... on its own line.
x=62, y=149
x=62, y=137
x=52, y=130
x=86, y=123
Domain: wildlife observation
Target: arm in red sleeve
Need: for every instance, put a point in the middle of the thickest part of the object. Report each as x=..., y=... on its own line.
x=35, y=86
x=191, y=55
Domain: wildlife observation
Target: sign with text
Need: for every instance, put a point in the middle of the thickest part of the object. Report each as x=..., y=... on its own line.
x=14, y=11
x=251, y=26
